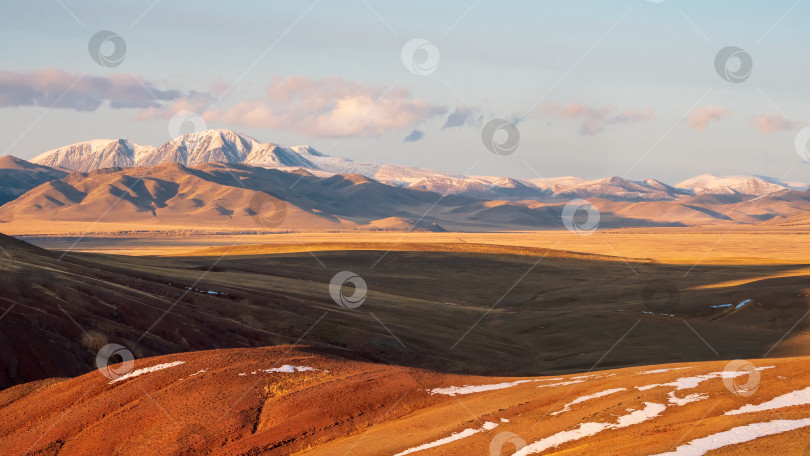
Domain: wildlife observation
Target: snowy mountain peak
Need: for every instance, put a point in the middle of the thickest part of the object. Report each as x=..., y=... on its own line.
x=230, y=147
x=734, y=184
x=307, y=150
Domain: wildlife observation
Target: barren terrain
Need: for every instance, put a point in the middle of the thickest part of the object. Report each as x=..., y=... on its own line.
x=296, y=400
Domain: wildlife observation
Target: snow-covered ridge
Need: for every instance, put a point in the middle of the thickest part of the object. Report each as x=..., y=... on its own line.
x=231, y=147
x=738, y=184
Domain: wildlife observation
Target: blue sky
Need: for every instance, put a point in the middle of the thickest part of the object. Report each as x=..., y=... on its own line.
x=596, y=88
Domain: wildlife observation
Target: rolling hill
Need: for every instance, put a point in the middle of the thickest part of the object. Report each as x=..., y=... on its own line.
x=18, y=176
x=297, y=400
x=241, y=196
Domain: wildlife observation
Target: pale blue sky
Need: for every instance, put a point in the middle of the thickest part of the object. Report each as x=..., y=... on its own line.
x=500, y=57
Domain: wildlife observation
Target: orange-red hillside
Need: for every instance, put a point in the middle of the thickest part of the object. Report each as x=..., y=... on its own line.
x=294, y=400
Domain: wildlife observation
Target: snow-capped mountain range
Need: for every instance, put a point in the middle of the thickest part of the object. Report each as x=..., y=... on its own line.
x=231, y=147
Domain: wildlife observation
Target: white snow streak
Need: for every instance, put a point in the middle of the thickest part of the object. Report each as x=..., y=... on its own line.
x=661, y=371
x=582, y=399
x=650, y=410
x=692, y=382
x=801, y=397
x=488, y=426
x=146, y=370
x=470, y=389
x=737, y=435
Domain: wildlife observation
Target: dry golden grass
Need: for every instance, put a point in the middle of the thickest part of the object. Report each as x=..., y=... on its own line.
x=676, y=246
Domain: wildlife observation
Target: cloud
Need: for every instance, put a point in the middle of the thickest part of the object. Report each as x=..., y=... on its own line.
x=594, y=120
x=462, y=115
x=328, y=107
x=192, y=101
x=769, y=123
x=699, y=119
x=414, y=136
x=63, y=90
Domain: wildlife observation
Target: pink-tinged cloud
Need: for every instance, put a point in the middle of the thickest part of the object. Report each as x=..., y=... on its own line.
x=63, y=90
x=594, y=120
x=769, y=123
x=328, y=107
x=699, y=119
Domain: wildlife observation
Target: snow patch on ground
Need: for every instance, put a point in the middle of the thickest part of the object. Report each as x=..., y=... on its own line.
x=681, y=401
x=737, y=435
x=488, y=426
x=289, y=369
x=286, y=369
x=661, y=371
x=572, y=382
x=742, y=304
x=582, y=399
x=470, y=389
x=692, y=382
x=800, y=397
x=650, y=411
x=145, y=370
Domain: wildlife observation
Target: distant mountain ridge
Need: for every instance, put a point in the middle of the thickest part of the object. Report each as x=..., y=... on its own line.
x=235, y=148
x=221, y=195
x=18, y=176
x=233, y=195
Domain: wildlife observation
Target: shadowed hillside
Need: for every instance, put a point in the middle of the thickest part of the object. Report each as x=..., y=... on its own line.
x=525, y=313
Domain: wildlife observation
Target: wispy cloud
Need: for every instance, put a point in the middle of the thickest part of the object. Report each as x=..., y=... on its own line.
x=414, y=136
x=463, y=115
x=594, y=120
x=79, y=93
x=699, y=119
x=328, y=108
x=769, y=123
